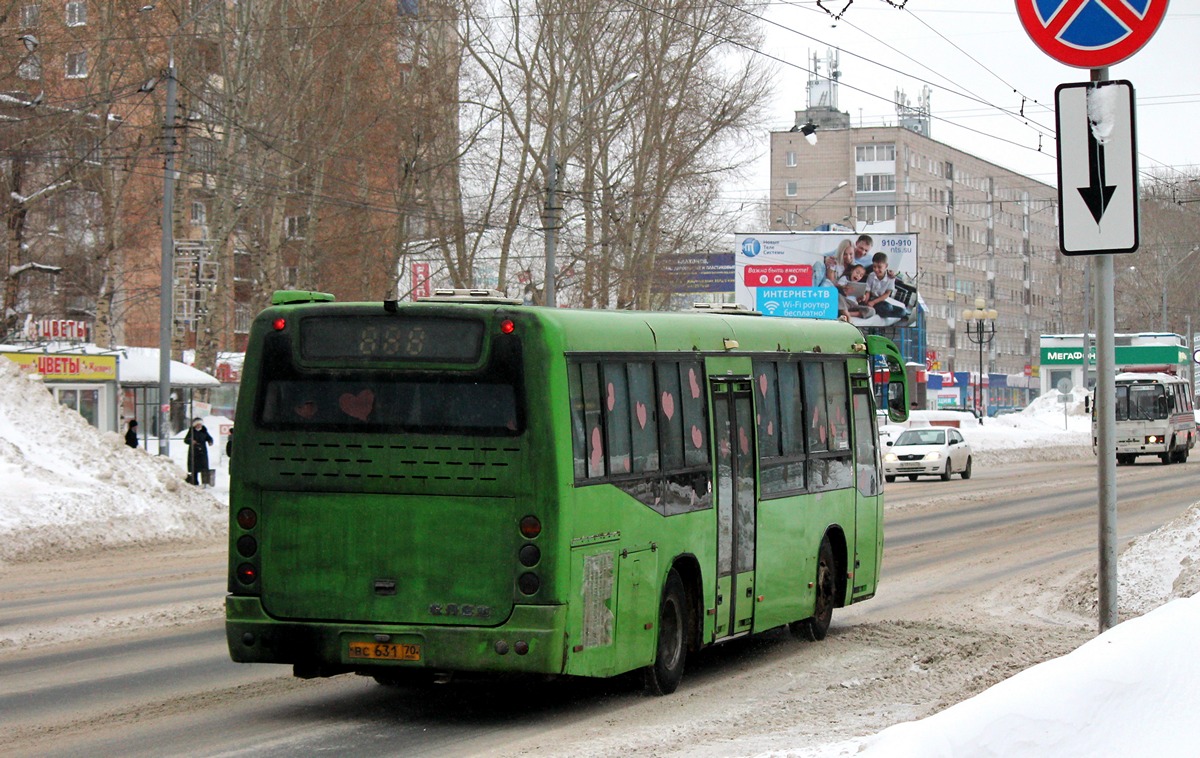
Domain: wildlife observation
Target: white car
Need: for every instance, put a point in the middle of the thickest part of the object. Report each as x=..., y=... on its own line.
x=928, y=451
x=889, y=432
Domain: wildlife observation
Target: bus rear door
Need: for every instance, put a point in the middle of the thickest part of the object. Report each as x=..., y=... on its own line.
x=733, y=439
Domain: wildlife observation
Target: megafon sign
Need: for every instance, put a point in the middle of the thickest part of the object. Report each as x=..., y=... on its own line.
x=867, y=279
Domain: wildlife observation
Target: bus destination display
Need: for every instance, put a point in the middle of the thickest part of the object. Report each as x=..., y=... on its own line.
x=358, y=338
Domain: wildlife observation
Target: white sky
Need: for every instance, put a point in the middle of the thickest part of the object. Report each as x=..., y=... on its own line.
x=1133, y=691
x=979, y=62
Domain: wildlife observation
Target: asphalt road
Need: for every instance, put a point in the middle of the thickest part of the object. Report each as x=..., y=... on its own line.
x=123, y=653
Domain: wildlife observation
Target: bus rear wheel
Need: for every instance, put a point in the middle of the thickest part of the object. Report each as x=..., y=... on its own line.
x=817, y=626
x=663, y=676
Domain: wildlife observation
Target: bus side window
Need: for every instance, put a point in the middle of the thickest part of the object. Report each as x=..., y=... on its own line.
x=592, y=419
x=578, y=426
x=814, y=405
x=615, y=396
x=838, y=399
x=695, y=422
x=643, y=421
x=766, y=397
x=670, y=420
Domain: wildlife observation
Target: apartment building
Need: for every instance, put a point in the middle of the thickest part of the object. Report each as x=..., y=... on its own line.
x=274, y=184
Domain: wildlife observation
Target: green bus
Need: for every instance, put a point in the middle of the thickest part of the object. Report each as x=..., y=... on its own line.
x=466, y=485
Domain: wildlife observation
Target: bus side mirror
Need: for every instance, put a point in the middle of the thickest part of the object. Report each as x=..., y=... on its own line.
x=1087, y=404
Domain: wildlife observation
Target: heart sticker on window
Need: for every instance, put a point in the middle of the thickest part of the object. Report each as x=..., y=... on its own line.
x=357, y=406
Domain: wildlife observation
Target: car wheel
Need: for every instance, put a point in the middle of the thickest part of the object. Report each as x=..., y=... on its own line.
x=966, y=473
x=946, y=473
x=889, y=478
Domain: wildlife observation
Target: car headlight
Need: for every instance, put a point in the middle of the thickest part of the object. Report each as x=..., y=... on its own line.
x=933, y=456
x=890, y=458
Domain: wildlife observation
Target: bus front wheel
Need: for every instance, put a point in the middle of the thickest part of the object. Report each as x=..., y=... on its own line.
x=663, y=676
x=817, y=626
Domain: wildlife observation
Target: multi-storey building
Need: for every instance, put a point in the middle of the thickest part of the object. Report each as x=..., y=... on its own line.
x=323, y=186
x=985, y=232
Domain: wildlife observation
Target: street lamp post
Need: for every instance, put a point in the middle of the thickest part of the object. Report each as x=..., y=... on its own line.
x=553, y=209
x=797, y=216
x=981, y=330
x=820, y=199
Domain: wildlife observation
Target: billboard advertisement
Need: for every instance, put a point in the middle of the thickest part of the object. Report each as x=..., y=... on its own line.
x=866, y=279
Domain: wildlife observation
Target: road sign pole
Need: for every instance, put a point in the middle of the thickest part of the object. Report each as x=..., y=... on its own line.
x=1106, y=448
x=1102, y=36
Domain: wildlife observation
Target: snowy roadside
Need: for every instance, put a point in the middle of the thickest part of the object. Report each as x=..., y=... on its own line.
x=68, y=487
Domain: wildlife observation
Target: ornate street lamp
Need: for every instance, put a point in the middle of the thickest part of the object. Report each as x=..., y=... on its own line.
x=981, y=329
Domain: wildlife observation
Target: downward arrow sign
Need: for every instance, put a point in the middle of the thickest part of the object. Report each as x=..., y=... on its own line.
x=1097, y=194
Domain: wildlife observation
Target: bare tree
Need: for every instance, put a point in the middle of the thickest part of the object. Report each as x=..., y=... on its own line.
x=639, y=163
x=1163, y=276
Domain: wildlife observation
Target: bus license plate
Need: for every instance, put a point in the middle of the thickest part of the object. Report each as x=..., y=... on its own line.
x=385, y=651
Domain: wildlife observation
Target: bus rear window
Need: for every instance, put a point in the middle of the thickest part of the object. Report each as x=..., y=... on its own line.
x=390, y=404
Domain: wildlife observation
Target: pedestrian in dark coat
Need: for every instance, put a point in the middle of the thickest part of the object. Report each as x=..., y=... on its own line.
x=131, y=437
x=197, y=439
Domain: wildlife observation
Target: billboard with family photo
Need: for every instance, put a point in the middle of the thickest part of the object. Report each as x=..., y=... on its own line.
x=866, y=279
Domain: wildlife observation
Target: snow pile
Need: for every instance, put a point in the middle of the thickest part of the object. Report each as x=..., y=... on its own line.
x=1130, y=691
x=1040, y=432
x=68, y=486
x=1155, y=568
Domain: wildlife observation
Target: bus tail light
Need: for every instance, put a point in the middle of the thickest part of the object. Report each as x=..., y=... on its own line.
x=247, y=573
x=247, y=519
x=529, y=583
x=529, y=555
x=530, y=527
x=279, y=324
x=247, y=546
x=507, y=326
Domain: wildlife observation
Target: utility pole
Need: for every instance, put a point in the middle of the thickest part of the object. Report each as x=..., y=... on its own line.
x=166, y=301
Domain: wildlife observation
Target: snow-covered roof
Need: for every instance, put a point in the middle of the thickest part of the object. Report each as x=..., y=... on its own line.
x=138, y=367
x=1138, y=376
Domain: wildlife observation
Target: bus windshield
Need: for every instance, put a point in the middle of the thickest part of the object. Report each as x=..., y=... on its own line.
x=1140, y=403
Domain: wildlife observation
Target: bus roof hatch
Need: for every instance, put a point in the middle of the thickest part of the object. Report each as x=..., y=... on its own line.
x=292, y=297
x=463, y=295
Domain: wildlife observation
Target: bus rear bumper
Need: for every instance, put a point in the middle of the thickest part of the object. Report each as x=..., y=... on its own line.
x=324, y=648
